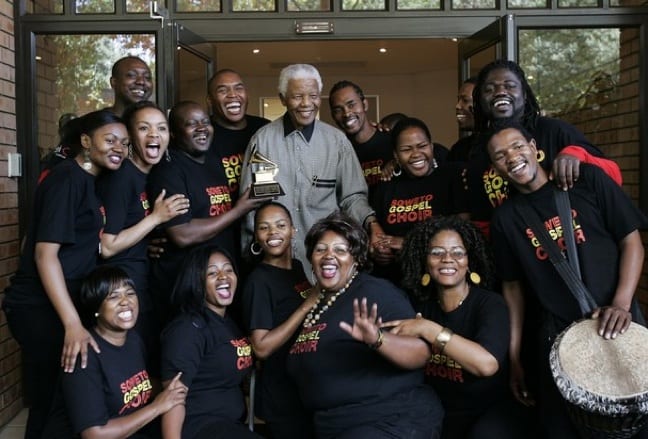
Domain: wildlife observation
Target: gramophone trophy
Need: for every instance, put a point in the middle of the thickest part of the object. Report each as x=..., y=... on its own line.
x=263, y=172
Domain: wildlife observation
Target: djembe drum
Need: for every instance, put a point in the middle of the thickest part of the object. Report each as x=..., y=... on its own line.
x=605, y=382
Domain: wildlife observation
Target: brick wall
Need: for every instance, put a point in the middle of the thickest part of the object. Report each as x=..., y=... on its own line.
x=610, y=119
x=10, y=387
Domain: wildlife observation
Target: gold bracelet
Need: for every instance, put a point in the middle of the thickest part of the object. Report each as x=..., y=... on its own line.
x=443, y=338
x=379, y=341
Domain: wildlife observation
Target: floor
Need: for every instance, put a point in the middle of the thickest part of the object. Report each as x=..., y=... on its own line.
x=15, y=429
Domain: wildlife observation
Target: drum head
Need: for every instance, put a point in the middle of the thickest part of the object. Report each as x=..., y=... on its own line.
x=592, y=371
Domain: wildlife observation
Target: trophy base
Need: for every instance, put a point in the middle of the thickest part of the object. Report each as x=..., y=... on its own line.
x=263, y=190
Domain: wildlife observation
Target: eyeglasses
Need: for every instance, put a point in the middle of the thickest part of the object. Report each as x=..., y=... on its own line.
x=439, y=253
x=339, y=249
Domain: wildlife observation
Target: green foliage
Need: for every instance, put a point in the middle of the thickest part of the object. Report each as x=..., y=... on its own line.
x=561, y=65
x=83, y=66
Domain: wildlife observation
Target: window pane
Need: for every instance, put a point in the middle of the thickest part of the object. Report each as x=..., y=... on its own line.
x=628, y=3
x=198, y=6
x=308, y=5
x=474, y=4
x=73, y=75
x=95, y=6
x=418, y=4
x=364, y=5
x=520, y=4
x=253, y=5
x=138, y=6
x=44, y=7
x=562, y=65
x=577, y=3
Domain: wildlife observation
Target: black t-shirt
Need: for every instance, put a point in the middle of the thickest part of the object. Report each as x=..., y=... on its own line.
x=333, y=370
x=67, y=212
x=228, y=147
x=115, y=383
x=372, y=155
x=209, y=195
x=405, y=201
x=603, y=215
x=123, y=193
x=462, y=150
x=214, y=358
x=270, y=296
x=483, y=318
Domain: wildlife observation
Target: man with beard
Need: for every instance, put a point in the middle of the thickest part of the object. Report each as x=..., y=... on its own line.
x=233, y=127
x=502, y=91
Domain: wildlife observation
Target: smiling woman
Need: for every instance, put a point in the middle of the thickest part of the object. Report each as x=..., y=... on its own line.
x=205, y=345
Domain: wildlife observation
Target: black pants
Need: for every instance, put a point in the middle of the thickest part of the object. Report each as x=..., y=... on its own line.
x=39, y=332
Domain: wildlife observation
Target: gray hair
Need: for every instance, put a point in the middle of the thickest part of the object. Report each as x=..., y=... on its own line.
x=298, y=71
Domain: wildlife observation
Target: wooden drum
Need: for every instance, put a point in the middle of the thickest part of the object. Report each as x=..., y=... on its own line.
x=605, y=382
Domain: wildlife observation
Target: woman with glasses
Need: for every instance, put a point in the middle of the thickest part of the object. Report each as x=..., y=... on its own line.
x=467, y=327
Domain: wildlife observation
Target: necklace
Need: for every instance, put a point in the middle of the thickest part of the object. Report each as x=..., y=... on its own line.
x=461, y=301
x=312, y=317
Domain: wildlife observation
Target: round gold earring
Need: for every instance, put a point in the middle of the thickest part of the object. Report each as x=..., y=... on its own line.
x=425, y=279
x=474, y=278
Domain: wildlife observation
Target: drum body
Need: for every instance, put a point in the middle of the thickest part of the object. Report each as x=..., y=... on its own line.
x=605, y=382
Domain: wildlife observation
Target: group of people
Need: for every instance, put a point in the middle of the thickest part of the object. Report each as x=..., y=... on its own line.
x=392, y=292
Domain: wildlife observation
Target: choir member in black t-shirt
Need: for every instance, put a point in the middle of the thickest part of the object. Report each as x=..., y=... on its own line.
x=114, y=396
x=359, y=381
x=60, y=250
x=276, y=298
x=466, y=324
x=205, y=344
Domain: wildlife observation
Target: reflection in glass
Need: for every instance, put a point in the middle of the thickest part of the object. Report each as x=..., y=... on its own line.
x=44, y=6
x=474, y=4
x=520, y=4
x=95, y=6
x=73, y=75
x=191, y=82
x=139, y=6
x=480, y=59
x=628, y=3
x=254, y=5
x=364, y=5
x=198, y=6
x=577, y=3
x=308, y=5
x=564, y=66
x=418, y=4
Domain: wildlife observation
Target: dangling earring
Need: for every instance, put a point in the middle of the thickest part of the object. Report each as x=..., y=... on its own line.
x=167, y=156
x=397, y=171
x=255, y=248
x=87, y=163
x=434, y=163
x=425, y=279
x=474, y=277
x=130, y=151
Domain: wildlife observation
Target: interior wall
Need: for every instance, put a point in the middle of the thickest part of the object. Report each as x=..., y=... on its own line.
x=429, y=96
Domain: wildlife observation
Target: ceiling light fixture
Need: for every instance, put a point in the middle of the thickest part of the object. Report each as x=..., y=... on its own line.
x=255, y=51
x=382, y=50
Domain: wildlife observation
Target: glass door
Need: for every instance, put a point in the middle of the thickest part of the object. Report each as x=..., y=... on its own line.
x=497, y=40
